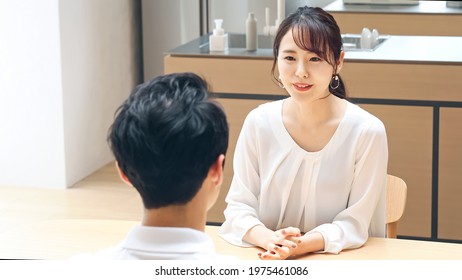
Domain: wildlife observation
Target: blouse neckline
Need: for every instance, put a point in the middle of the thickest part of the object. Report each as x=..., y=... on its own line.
x=287, y=139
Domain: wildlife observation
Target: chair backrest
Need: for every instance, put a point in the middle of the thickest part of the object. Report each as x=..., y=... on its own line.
x=396, y=202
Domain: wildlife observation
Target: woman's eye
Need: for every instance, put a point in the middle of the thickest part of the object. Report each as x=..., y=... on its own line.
x=315, y=59
x=289, y=58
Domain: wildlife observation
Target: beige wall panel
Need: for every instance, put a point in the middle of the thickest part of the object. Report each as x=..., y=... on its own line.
x=228, y=75
x=409, y=132
x=450, y=174
x=236, y=111
x=403, y=81
x=399, y=24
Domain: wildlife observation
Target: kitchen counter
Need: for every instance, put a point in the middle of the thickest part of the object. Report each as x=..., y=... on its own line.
x=414, y=49
x=200, y=47
x=424, y=7
x=398, y=49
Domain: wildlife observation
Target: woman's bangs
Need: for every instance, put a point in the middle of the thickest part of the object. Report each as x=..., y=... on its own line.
x=311, y=39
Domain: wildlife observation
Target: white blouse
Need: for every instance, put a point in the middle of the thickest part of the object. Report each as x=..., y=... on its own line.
x=339, y=191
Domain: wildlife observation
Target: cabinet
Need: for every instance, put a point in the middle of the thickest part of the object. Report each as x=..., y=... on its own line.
x=420, y=105
x=450, y=174
x=409, y=133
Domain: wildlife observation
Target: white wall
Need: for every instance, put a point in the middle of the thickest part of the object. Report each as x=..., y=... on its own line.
x=234, y=13
x=292, y=5
x=31, y=115
x=166, y=25
x=98, y=73
x=65, y=65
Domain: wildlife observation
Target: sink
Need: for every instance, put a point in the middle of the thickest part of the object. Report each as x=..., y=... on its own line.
x=352, y=42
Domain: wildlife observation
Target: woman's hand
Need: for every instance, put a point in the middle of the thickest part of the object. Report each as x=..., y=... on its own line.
x=282, y=244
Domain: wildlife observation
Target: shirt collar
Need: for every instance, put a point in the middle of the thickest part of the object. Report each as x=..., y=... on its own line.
x=168, y=240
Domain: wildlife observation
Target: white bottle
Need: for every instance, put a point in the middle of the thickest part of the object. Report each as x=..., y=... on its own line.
x=218, y=41
x=281, y=12
x=251, y=35
x=374, y=38
x=366, y=38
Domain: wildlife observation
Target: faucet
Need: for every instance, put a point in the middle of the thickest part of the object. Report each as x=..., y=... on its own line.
x=272, y=29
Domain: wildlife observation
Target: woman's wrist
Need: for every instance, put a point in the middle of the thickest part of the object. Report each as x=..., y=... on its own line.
x=259, y=236
x=310, y=242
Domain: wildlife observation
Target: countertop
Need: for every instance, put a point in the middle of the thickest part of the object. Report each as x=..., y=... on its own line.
x=424, y=7
x=397, y=49
x=414, y=49
x=200, y=47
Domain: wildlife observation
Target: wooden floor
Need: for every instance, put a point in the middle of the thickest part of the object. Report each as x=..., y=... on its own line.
x=102, y=195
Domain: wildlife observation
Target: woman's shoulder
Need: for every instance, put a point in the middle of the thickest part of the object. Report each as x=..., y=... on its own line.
x=271, y=109
x=363, y=122
x=265, y=120
x=362, y=116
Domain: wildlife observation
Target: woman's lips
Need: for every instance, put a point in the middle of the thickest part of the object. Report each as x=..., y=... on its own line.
x=302, y=86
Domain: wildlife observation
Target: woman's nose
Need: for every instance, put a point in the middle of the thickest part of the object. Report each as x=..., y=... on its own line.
x=302, y=70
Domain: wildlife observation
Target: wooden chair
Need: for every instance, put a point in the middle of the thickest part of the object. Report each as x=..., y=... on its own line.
x=396, y=202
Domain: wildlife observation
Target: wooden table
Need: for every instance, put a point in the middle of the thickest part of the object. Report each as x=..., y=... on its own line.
x=61, y=239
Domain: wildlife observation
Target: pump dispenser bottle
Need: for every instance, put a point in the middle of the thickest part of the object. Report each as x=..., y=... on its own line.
x=251, y=36
x=365, y=41
x=218, y=41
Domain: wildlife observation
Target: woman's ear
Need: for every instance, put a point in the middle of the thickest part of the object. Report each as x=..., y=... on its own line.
x=340, y=62
x=122, y=175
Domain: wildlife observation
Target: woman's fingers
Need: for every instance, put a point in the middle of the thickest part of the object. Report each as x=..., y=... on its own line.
x=288, y=243
x=276, y=252
x=290, y=231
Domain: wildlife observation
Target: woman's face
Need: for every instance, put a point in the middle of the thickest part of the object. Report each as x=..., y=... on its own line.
x=303, y=73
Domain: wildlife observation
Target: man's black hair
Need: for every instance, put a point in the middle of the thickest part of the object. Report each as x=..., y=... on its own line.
x=166, y=136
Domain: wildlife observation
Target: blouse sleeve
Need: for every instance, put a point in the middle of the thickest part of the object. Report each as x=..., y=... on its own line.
x=350, y=228
x=241, y=213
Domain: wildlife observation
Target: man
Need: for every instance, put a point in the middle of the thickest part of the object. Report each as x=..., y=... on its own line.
x=169, y=140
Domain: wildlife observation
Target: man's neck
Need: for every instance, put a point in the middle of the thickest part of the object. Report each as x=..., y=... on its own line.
x=175, y=216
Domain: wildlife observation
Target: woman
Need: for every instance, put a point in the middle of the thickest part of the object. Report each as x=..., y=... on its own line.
x=309, y=170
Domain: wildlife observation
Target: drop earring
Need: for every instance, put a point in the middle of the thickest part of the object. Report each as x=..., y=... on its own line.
x=334, y=82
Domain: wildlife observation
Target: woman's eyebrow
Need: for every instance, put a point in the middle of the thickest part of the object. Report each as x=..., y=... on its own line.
x=288, y=51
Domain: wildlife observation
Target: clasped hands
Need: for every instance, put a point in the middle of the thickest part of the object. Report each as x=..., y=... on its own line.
x=282, y=244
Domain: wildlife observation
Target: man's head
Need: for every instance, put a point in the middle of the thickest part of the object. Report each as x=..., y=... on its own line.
x=166, y=136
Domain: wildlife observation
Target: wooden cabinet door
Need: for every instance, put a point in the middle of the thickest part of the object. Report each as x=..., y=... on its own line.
x=450, y=174
x=409, y=133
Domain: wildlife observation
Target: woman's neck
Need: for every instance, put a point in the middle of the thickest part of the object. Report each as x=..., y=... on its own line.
x=315, y=112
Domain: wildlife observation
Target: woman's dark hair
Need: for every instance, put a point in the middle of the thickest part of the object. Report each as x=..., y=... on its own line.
x=316, y=31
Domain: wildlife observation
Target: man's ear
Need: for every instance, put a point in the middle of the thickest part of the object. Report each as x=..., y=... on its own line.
x=216, y=170
x=122, y=175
